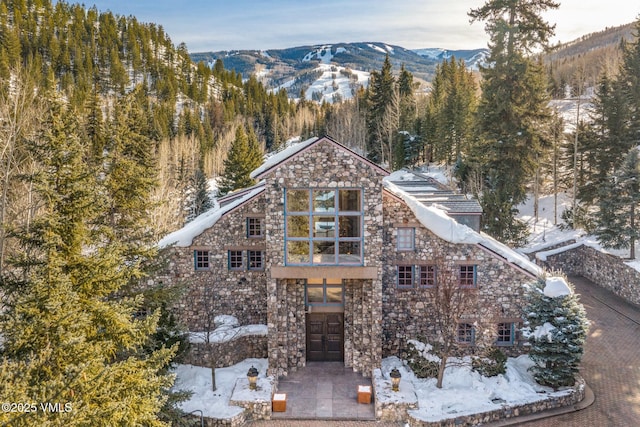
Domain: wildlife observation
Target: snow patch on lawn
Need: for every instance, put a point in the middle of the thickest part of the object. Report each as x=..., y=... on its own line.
x=466, y=392
x=214, y=404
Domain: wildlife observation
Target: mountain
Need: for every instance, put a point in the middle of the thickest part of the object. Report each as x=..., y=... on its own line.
x=580, y=62
x=303, y=66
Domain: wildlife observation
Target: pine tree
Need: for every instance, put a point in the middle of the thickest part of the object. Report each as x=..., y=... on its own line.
x=66, y=337
x=558, y=329
x=245, y=156
x=381, y=96
x=620, y=203
x=200, y=202
x=448, y=124
x=514, y=116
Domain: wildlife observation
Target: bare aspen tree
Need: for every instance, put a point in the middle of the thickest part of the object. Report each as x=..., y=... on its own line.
x=20, y=110
x=451, y=305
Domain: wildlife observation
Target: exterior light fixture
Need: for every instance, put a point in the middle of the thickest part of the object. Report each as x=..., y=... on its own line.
x=252, y=376
x=395, y=379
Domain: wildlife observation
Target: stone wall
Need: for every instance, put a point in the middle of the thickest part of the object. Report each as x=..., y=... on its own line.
x=575, y=395
x=227, y=353
x=608, y=271
x=219, y=290
x=408, y=312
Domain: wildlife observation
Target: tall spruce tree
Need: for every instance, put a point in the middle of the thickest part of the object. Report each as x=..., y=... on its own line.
x=245, y=156
x=513, y=114
x=67, y=338
x=619, y=205
x=381, y=97
x=558, y=329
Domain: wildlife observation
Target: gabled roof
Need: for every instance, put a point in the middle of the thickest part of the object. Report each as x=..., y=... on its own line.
x=448, y=229
x=184, y=236
x=292, y=151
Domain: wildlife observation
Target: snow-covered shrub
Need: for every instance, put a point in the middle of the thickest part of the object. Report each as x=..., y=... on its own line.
x=556, y=326
x=493, y=362
x=422, y=362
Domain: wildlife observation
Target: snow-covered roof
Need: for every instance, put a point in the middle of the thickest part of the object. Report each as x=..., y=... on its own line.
x=431, y=192
x=294, y=149
x=184, y=236
x=448, y=229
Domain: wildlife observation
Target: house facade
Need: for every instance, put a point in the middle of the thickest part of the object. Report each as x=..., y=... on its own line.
x=340, y=262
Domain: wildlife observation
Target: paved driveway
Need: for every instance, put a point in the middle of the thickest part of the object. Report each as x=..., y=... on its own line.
x=611, y=367
x=611, y=364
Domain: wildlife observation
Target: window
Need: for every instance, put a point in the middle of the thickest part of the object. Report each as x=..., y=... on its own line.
x=466, y=333
x=405, y=276
x=235, y=260
x=323, y=226
x=467, y=276
x=201, y=260
x=506, y=335
x=255, y=227
x=427, y=276
x=255, y=259
x=406, y=238
x=327, y=292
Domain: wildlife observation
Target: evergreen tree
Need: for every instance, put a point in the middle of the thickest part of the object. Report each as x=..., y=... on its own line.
x=200, y=201
x=620, y=203
x=557, y=331
x=449, y=120
x=66, y=338
x=514, y=116
x=245, y=156
x=381, y=97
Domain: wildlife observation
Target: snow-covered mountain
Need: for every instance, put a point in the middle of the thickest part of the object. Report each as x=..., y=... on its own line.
x=329, y=72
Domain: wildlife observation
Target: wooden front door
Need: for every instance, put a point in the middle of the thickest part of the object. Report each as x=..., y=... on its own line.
x=325, y=337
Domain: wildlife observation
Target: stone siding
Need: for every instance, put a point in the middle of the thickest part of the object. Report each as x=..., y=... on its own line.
x=323, y=165
x=227, y=353
x=608, y=271
x=407, y=312
x=219, y=290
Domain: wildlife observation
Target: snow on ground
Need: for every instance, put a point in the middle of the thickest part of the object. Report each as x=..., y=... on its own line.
x=568, y=110
x=466, y=392
x=333, y=85
x=545, y=234
x=214, y=404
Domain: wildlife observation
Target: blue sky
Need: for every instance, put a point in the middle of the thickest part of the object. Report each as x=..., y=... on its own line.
x=211, y=25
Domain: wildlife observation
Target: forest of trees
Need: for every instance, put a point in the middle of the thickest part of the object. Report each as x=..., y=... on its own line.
x=109, y=134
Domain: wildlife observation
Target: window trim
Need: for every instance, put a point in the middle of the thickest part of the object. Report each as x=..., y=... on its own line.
x=411, y=278
x=249, y=259
x=472, y=330
x=434, y=278
x=324, y=287
x=229, y=260
x=512, y=334
x=408, y=248
x=336, y=214
x=474, y=278
x=199, y=260
x=249, y=227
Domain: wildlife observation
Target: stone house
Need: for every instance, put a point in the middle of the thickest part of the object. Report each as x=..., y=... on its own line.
x=339, y=261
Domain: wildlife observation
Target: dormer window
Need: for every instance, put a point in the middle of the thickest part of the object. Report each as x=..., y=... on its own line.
x=324, y=226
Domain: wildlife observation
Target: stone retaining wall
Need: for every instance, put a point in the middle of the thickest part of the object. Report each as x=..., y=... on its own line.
x=228, y=353
x=573, y=397
x=607, y=271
